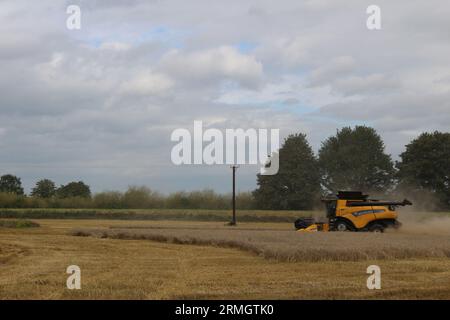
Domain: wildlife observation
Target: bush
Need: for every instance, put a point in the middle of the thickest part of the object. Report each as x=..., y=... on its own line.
x=142, y=198
x=133, y=198
x=206, y=199
x=70, y=203
x=108, y=200
x=245, y=201
x=12, y=200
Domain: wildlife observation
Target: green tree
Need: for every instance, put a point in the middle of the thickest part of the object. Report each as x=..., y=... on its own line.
x=425, y=165
x=354, y=159
x=44, y=188
x=296, y=186
x=74, y=189
x=11, y=184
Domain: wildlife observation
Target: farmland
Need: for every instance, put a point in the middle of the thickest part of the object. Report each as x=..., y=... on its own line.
x=287, y=216
x=286, y=245
x=156, y=214
x=162, y=259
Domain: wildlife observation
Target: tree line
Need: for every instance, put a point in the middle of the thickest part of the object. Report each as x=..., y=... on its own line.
x=44, y=188
x=353, y=159
x=77, y=195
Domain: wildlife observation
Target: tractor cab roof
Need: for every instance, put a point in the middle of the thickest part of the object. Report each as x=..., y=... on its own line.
x=352, y=195
x=346, y=195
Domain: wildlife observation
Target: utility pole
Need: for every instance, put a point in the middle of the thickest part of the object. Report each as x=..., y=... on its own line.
x=233, y=220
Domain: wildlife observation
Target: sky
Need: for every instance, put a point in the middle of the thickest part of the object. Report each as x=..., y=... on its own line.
x=99, y=104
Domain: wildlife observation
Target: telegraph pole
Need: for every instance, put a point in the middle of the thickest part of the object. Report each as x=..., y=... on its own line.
x=233, y=220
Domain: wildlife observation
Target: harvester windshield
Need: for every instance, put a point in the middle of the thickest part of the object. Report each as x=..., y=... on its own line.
x=331, y=208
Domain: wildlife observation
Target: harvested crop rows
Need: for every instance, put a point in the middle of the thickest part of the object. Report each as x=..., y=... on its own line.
x=293, y=246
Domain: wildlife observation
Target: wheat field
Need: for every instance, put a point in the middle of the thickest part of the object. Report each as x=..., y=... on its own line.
x=33, y=264
x=288, y=245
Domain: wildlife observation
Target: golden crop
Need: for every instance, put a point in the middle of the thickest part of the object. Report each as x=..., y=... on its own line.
x=288, y=245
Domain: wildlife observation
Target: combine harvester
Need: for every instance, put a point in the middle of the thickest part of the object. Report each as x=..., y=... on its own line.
x=353, y=211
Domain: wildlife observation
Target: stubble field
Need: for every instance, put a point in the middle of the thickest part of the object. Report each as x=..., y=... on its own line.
x=207, y=260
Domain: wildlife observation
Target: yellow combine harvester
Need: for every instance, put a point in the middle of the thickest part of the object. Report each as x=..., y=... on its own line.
x=353, y=211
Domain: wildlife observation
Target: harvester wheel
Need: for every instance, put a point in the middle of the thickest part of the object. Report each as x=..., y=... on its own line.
x=341, y=226
x=376, y=228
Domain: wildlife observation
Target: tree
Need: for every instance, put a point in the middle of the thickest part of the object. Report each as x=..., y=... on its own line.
x=74, y=189
x=425, y=165
x=11, y=184
x=354, y=159
x=296, y=186
x=44, y=188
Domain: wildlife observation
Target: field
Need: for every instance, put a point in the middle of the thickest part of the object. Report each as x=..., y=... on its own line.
x=155, y=214
x=163, y=259
x=286, y=245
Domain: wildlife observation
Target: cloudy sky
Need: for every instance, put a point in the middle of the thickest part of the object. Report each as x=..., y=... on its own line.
x=99, y=103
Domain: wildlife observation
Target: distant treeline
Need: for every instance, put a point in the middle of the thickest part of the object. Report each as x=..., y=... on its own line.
x=353, y=159
x=134, y=198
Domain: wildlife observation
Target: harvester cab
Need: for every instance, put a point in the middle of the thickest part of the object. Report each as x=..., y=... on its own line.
x=354, y=211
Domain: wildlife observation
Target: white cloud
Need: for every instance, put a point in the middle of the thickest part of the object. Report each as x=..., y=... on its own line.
x=217, y=64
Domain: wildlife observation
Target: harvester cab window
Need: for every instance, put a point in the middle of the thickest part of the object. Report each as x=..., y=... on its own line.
x=331, y=208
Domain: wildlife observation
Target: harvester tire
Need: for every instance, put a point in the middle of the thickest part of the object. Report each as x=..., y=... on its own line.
x=376, y=228
x=342, y=226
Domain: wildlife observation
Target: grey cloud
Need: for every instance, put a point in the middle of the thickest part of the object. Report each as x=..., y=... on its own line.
x=337, y=67
x=373, y=83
